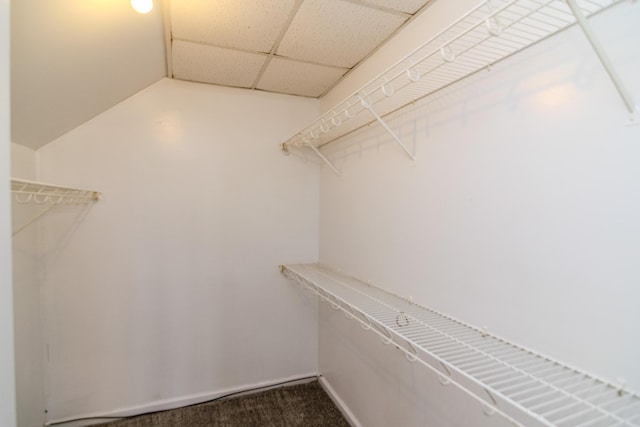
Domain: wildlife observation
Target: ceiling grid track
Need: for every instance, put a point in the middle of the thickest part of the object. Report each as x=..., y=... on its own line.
x=270, y=54
x=276, y=45
x=168, y=37
x=405, y=15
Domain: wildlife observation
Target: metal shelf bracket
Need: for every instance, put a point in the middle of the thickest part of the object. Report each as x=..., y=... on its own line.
x=285, y=150
x=324, y=158
x=367, y=105
x=633, y=109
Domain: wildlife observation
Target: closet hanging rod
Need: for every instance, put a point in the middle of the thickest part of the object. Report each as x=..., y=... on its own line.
x=486, y=34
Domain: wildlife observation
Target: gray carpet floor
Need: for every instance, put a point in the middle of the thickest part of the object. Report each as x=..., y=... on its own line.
x=298, y=405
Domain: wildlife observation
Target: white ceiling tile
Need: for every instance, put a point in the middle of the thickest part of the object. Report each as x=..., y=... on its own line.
x=334, y=32
x=408, y=6
x=242, y=24
x=208, y=64
x=298, y=78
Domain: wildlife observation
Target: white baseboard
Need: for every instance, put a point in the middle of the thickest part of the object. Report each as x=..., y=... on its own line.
x=351, y=418
x=177, y=402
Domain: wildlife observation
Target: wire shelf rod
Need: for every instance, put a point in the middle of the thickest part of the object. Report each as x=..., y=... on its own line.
x=561, y=376
x=433, y=336
x=540, y=391
x=513, y=390
x=509, y=356
x=528, y=390
x=494, y=348
x=505, y=371
x=513, y=382
x=541, y=365
x=507, y=391
x=552, y=391
x=496, y=371
x=467, y=361
x=466, y=367
x=589, y=423
x=536, y=363
x=573, y=415
x=573, y=404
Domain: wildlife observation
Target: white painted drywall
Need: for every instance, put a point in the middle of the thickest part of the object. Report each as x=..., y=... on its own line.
x=7, y=378
x=168, y=287
x=23, y=162
x=520, y=213
x=30, y=380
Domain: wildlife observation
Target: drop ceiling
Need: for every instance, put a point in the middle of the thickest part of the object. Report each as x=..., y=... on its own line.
x=72, y=60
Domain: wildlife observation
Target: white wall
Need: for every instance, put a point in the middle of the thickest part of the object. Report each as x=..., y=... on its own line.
x=30, y=380
x=520, y=213
x=7, y=383
x=168, y=287
x=23, y=162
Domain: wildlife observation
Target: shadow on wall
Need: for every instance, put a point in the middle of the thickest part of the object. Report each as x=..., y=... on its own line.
x=67, y=220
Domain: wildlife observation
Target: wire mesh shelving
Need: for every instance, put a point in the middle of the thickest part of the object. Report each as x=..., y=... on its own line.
x=485, y=35
x=48, y=196
x=505, y=379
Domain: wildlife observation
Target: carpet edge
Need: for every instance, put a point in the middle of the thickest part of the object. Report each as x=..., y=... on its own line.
x=178, y=402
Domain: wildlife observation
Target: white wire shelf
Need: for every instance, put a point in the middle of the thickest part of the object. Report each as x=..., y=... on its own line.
x=48, y=196
x=507, y=380
x=42, y=193
x=488, y=33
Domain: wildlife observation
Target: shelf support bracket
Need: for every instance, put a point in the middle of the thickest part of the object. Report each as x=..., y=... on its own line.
x=606, y=63
x=366, y=104
x=324, y=158
x=32, y=220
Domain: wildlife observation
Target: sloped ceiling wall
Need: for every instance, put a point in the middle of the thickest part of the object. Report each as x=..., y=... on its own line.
x=73, y=59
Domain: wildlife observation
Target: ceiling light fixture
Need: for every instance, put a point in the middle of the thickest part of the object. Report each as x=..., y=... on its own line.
x=142, y=6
